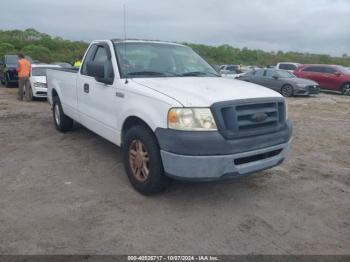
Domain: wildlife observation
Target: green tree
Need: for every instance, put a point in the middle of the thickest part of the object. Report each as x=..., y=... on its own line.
x=6, y=48
x=38, y=52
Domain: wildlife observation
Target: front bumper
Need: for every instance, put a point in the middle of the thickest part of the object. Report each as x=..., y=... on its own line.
x=39, y=92
x=210, y=168
x=208, y=156
x=309, y=90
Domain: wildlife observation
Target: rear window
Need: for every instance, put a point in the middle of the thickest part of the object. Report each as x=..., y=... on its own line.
x=11, y=59
x=287, y=67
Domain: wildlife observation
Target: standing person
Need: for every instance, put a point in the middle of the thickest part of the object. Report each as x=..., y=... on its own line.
x=23, y=77
x=77, y=62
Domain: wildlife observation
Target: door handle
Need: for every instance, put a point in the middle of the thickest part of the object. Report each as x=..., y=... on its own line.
x=86, y=88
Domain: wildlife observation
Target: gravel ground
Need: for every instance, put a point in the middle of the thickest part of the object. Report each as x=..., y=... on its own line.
x=68, y=193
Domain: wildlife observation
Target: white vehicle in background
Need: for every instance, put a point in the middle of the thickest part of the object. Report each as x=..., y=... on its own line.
x=37, y=79
x=289, y=66
x=230, y=74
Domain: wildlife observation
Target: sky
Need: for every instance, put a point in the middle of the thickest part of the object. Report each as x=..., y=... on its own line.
x=314, y=26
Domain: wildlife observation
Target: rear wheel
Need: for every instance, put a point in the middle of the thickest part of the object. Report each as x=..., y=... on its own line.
x=346, y=89
x=62, y=122
x=142, y=161
x=287, y=90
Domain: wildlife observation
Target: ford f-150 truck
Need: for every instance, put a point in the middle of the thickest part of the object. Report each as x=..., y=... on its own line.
x=171, y=113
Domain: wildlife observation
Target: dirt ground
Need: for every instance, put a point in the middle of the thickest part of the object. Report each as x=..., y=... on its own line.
x=68, y=193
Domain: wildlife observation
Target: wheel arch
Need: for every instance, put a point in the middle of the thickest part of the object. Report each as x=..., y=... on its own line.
x=287, y=84
x=130, y=122
x=343, y=85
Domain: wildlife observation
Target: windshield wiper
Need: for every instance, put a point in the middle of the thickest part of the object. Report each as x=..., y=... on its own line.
x=198, y=73
x=149, y=73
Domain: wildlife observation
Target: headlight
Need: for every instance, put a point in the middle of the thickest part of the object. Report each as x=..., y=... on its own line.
x=191, y=119
x=301, y=85
x=38, y=84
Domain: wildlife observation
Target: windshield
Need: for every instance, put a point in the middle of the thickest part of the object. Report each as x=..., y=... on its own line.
x=285, y=74
x=40, y=71
x=159, y=60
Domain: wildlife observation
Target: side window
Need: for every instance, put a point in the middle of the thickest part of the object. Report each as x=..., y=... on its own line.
x=101, y=58
x=101, y=55
x=315, y=69
x=88, y=58
x=329, y=70
x=259, y=73
x=270, y=73
x=287, y=67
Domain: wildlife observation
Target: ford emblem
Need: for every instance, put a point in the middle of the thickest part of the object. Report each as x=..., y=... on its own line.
x=259, y=117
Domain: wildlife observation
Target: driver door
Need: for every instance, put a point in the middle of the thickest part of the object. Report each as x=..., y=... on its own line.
x=98, y=104
x=272, y=81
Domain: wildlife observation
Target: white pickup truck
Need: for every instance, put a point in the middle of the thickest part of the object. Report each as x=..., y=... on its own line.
x=171, y=113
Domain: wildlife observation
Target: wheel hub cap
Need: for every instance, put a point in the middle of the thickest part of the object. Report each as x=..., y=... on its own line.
x=139, y=160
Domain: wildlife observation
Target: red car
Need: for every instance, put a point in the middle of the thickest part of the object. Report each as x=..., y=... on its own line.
x=329, y=77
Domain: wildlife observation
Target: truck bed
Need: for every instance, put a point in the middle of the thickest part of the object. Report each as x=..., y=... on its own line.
x=63, y=80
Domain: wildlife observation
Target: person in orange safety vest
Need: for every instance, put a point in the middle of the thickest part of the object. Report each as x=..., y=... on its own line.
x=23, y=77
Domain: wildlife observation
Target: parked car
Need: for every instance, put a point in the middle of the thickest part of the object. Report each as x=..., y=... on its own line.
x=329, y=77
x=232, y=68
x=229, y=74
x=37, y=79
x=171, y=113
x=8, y=69
x=281, y=81
x=289, y=66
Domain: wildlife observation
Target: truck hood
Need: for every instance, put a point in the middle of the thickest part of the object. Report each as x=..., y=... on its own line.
x=204, y=91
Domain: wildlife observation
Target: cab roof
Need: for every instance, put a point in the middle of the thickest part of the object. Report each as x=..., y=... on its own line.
x=116, y=40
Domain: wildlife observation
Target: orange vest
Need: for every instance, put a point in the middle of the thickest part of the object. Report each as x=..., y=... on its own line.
x=23, y=68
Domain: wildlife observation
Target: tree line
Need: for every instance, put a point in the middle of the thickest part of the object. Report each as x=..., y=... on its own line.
x=45, y=48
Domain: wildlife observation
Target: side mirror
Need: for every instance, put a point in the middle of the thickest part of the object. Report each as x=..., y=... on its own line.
x=97, y=70
x=275, y=77
x=337, y=74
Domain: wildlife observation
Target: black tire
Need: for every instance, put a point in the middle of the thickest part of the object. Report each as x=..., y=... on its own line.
x=345, y=90
x=62, y=122
x=287, y=90
x=155, y=181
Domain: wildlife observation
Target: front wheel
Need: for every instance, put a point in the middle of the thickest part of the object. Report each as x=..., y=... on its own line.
x=346, y=89
x=287, y=90
x=142, y=161
x=62, y=122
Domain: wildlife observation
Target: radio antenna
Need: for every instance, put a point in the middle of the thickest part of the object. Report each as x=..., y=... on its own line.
x=127, y=69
